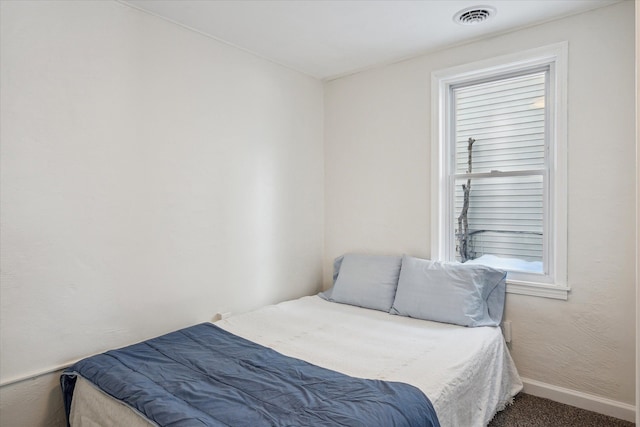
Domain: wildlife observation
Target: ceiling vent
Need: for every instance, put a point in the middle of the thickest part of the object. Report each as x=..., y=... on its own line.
x=474, y=15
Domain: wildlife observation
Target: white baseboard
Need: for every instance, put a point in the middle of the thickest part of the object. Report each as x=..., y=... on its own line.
x=581, y=400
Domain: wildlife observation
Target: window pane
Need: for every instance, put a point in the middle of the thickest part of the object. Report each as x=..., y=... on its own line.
x=506, y=118
x=505, y=219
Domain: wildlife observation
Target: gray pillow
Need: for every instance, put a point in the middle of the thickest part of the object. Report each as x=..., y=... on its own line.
x=367, y=281
x=336, y=269
x=467, y=295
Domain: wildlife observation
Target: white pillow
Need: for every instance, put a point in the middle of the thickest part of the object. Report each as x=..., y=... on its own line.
x=368, y=281
x=462, y=294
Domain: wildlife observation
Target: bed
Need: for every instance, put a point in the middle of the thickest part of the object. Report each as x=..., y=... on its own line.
x=466, y=373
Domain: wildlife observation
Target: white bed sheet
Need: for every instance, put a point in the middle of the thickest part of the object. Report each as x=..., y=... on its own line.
x=467, y=373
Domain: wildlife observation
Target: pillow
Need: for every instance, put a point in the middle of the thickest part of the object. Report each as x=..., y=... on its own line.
x=368, y=281
x=336, y=268
x=467, y=295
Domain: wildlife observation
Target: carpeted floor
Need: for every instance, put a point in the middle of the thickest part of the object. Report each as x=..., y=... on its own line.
x=532, y=411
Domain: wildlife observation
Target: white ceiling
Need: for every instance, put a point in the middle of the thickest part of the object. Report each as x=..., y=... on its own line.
x=331, y=38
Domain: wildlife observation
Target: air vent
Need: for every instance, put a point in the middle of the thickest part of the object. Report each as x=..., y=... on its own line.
x=474, y=15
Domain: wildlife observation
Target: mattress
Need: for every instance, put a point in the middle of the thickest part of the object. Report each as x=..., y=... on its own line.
x=467, y=373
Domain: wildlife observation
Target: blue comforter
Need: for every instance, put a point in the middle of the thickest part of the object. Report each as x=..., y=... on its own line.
x=205, y=376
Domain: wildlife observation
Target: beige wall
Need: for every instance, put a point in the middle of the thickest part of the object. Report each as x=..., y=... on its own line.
x=150, y=178
x=377, y=191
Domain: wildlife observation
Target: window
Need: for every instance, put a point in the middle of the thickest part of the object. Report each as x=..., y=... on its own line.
x=499, y=168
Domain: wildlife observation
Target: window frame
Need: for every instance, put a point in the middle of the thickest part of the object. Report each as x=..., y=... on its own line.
x=553, y=284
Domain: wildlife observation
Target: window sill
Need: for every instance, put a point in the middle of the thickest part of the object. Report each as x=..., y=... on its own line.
x=538, y=290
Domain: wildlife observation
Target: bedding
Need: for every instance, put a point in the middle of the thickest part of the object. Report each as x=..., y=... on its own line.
x=450, y=292
x=367, y=281
x=467, y=373
x=204, y=375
